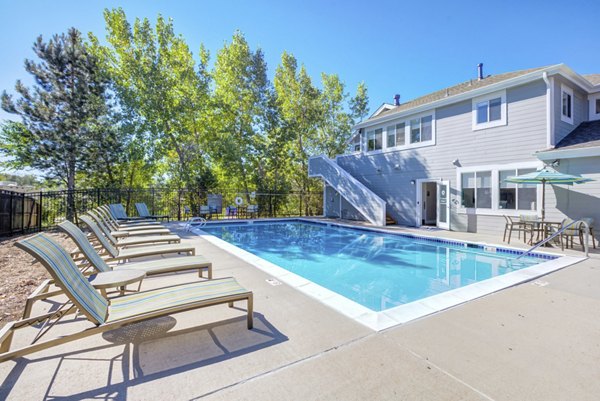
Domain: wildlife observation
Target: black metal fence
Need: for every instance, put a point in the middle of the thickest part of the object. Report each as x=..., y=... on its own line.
x=37, y=211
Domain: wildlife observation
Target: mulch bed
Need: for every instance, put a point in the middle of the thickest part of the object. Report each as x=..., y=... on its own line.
x=20, y=275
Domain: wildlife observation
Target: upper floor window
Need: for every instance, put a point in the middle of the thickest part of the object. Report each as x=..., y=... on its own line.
x=489, y=111
x=421, y=129
x=354, y=145
x=566, y=104
x=374, y=139
x=395, y=135
x=594, y=106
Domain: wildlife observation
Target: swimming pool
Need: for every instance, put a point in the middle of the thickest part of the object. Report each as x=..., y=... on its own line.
x=377, y=270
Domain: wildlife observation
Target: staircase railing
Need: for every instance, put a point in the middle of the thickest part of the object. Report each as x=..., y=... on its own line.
x=559, y=232
x=369, y=204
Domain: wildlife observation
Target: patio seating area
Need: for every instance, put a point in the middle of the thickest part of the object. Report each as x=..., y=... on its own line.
x=300, y=348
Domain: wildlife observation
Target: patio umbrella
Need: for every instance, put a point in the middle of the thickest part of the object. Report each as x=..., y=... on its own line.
x=547, y=175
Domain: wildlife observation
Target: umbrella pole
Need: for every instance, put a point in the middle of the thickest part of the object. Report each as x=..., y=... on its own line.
x=543, y=200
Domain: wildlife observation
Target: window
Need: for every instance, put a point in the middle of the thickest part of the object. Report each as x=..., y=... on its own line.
x=421, y=129
x=516, y=196
x=355, y=144
x=489, y=111
x=566, y=104
x=594, y=101
x=477, y=189
x=395, y=135
x=374, y=139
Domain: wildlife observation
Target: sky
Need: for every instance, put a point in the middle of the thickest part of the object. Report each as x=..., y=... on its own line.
x=405, y=47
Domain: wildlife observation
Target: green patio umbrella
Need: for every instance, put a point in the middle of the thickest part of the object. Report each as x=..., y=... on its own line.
x=547, y=175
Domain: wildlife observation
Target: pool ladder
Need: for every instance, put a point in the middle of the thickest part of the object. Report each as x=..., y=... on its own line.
x=554, y=235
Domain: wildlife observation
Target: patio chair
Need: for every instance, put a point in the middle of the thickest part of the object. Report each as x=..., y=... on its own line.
x=151, y=230
x=143, y=211
x=231, y=212
x=134, y=239
x=136, y=252
x=252, y=211
x=531, y=226
x=590, y=223
x=118, y=212
x=569, y=234
x=513, y=225
x=109, y=314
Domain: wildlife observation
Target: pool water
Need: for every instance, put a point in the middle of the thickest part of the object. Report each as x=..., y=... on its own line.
x=375, y=269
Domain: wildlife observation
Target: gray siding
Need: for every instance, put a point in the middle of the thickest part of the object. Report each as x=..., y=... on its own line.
x=580, y=109
x=575, y=201
x=524, y=134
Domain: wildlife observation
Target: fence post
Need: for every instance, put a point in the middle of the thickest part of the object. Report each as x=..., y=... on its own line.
x=23, y=212
x=179, y=205
x=152, y=210
x=98, y=197
x=40, y=211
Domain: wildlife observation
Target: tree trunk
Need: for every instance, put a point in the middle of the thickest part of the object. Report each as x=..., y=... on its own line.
x=71, y=190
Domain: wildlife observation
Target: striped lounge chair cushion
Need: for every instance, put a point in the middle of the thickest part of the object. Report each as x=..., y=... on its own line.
x=172, y=297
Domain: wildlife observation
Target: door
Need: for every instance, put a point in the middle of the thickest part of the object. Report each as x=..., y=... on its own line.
x=443, y=204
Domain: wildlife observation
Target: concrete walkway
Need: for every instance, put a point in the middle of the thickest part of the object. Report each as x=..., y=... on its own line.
x=535, y=341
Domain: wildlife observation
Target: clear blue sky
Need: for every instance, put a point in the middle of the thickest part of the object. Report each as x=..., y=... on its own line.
x=406, y=47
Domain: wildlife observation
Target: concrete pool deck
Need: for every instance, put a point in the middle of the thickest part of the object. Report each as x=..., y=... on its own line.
x=536, y=341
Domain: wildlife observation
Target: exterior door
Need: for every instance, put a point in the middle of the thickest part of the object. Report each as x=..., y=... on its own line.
x=443, y=204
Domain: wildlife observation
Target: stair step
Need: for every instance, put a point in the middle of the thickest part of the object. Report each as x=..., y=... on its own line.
x=389, y=221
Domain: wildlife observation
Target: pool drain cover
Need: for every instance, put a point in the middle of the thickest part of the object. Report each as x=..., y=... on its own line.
x=273, y=281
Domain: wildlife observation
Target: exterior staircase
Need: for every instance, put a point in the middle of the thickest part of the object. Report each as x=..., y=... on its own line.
x=371, y=206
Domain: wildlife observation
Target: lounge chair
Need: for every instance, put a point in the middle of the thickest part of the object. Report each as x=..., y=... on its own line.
x=109, y=314
x=136, y=252
x=118, y=212
x=115, y=225
x=143, y=211
x=158, y=234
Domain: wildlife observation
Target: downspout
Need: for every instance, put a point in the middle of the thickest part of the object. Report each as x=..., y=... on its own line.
x=549, y=110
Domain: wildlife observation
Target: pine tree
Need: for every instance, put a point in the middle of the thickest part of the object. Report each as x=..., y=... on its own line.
x=60, y=114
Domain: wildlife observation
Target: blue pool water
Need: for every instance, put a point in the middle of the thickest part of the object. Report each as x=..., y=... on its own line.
x=377, y=270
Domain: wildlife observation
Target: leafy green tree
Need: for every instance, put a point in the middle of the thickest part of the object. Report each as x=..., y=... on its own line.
x=241, y=96
x=162, y=87
x=61, y=113
x=359, y=104
x=335, y=124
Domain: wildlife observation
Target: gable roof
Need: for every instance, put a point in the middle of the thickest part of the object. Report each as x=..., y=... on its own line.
x=456, y=90
x=586, y=135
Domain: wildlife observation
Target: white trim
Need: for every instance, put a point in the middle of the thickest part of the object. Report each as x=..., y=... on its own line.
x=495, y=169
x=592, y=151
x=592, y=102
x=381, y=109
x=569, y=91
x=407, y=133
x=481, y=99
x=550, y=136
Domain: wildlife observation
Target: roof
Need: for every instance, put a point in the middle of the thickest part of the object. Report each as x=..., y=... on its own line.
x=586, y=135
x=458, y=89
x=594, y=79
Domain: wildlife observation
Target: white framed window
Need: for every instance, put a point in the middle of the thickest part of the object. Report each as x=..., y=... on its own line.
x=374, y=139
x=354, y=144
x=594, y=101
x=483, y=189
x=476, y=189
x=566, y=104
x=396, y=135
x=489, y=111
x=414, y=132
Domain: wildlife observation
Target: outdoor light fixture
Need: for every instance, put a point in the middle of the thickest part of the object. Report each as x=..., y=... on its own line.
x=412, y=182
x=456, y=162
x=555, y=163
x=397, y=166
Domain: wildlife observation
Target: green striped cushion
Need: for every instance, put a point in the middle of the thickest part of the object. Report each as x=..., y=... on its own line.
x=84, y=245
x=171, y=297
x=62, y=268
x=103, y=240
x=103, y=227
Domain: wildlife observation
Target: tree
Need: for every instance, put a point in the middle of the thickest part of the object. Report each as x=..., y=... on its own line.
x=359, y=104
x=335, y=124
x=62, y=112
x=241, y=96
x=163, y=89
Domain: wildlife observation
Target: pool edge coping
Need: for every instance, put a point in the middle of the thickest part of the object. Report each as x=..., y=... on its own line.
x=400, y=314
